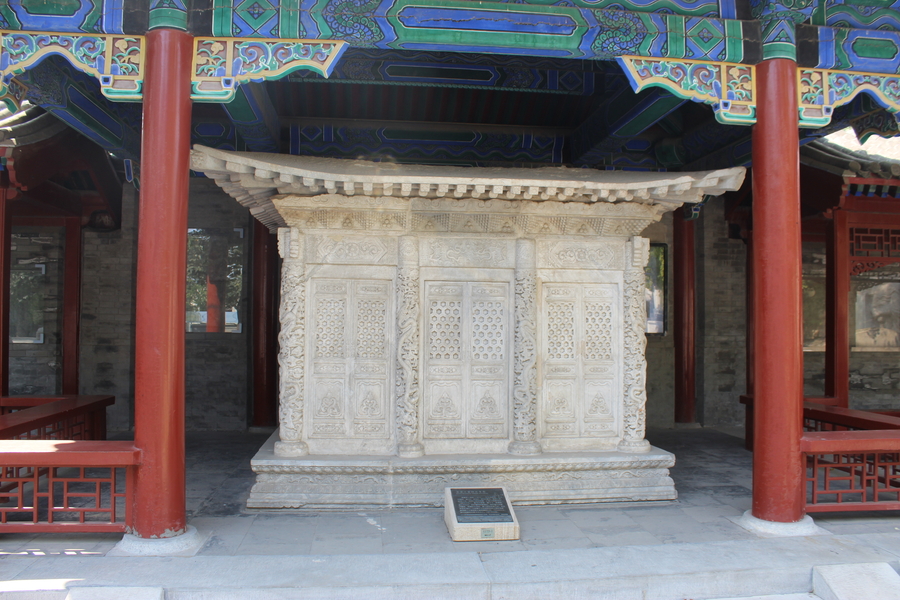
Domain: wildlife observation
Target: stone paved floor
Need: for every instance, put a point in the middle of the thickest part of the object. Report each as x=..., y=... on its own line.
x=712, y=476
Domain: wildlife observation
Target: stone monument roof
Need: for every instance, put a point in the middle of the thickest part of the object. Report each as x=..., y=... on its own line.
x=254, y=179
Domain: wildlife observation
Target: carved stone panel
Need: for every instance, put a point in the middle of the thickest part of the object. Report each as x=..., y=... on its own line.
x=574, y=254
x=467, y=354
x=468, y=252
x=581, y=340
x=351, y=250
x=350, y=329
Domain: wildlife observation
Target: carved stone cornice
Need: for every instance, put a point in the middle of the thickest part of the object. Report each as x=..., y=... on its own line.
x=253, y=179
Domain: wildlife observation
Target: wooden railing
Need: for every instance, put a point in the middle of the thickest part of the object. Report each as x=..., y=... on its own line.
x=852, y=457
x=57, y=471
x=61, y=418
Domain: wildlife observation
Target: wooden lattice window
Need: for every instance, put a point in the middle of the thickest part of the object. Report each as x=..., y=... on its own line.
x=871, y=242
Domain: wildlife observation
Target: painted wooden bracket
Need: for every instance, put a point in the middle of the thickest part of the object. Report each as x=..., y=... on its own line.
x=117, y=61
x=730, y=88
x=820, y=91
x=221, y=64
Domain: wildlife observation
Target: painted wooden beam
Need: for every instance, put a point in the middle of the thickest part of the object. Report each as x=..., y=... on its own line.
x=426, y=142
x=621, y=118
x=711, y=147
x=700, y=143
x=456, y=70
x=254, y=118
x=579, y=29
x=74, y=97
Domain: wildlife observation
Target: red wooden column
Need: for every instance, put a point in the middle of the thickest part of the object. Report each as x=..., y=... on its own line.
x=159, y=509
x=71, y=305
x=837, y=312
x=264, y=326
x=777, y=300
x=748, y=345
x=6, y=196
x=685, y=302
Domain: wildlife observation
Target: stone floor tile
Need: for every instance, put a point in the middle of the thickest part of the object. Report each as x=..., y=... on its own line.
x=554, y=528
x=225, y=533
x=631, y=538
x=698, y=537
x=359, y=524
x=742, y=503
x=506, y=546
x=415, y=530
x=667, y=525
x=75, y=546
x=592, y=513
x=559, y=543
x=346, y=545
x=411, y=547
x=269, y=548
x=706, y=514
x=543, y=513
x=11, y=543
x=293, y=537
x=691, y=497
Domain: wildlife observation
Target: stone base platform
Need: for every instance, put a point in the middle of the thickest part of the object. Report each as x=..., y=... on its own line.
x=351, y=482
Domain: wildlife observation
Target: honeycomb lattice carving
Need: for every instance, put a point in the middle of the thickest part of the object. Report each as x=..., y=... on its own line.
x=330, y=313
x=561, y=330
x=445, y=318
x=371, y=318
x=488, y=330
x=598, y=325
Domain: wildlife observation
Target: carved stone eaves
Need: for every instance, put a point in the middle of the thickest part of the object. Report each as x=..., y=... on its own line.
x=254, y=178
x=402, y=216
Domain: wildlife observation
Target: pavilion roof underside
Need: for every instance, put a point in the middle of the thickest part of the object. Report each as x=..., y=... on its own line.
x=399, y=94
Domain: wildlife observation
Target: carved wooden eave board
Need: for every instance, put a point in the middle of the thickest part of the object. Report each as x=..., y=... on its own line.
x=254, y=179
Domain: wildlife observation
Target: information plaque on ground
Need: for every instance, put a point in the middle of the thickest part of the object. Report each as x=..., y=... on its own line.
x=479, y=514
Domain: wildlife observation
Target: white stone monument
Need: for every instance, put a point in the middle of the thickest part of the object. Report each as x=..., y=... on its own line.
x=448, y=326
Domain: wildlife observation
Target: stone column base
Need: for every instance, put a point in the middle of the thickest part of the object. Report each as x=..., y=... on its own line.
x=802, y=528
x=186, y=544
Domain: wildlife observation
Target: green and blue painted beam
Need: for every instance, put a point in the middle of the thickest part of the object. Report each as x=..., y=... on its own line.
x=254, y=118
x=624, y=116
x=75, y=98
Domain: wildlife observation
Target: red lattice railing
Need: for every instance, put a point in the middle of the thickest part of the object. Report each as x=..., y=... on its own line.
x=853, y=481
x=57, y=472
x=61, y=418
x=61, y=485
x=852, y=459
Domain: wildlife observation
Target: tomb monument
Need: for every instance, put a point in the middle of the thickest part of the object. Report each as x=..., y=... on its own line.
x=451, y=326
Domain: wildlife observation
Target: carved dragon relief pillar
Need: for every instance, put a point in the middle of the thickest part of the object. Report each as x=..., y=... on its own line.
x=406, y=381
x=635, y=363
x=292, y=342
x=525, y=354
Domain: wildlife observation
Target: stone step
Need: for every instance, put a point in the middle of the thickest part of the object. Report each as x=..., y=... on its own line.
x=865, y=581
x=777, y=597
x=159, y=593
x=770, y=569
